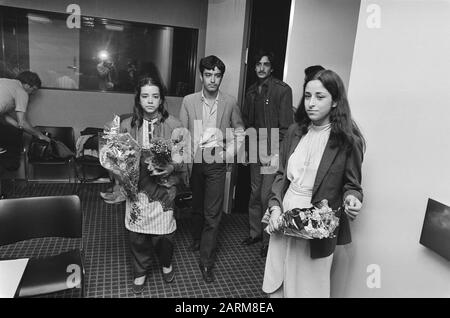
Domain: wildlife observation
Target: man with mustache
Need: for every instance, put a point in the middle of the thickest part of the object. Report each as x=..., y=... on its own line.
x=268, y=105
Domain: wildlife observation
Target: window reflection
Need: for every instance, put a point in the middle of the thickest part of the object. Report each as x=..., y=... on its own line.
x=103, y=55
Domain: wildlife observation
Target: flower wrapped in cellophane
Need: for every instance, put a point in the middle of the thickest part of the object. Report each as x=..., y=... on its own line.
x=318, y=221
x=120, y=153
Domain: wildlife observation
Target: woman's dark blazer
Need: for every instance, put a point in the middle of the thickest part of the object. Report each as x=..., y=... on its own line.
x=338, y=175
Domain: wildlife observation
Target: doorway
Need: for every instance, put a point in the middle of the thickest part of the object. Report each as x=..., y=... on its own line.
x=267, y=29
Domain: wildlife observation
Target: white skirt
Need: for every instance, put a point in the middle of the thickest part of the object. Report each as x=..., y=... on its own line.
x=290, y=271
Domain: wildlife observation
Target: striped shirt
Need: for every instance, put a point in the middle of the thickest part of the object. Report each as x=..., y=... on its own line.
x=152, y=219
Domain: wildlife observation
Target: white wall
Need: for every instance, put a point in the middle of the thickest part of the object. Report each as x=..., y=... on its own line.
x=225, y=37
x=84, y=109
x=400, y=96
x=323, y=32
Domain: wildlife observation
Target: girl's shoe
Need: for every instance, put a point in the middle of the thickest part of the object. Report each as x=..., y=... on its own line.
x=169, y=277
x=138, y=284
x=107, y=195
x=117, y=198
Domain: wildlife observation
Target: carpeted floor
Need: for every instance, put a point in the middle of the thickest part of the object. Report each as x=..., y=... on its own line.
x=238, y=271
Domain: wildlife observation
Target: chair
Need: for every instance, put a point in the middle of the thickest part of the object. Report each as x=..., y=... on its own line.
x=91, y=162
x=86, y=162
x=65, y=135
x=38, y=217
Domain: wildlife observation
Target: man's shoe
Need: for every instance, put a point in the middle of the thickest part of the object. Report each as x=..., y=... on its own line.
x=251, y=240
x=207, y=274
x=264, y=250
x=169, y=277
x=138, y=285
x=195, y=246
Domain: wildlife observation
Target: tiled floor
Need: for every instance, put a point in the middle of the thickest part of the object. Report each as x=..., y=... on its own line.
x=238, y=271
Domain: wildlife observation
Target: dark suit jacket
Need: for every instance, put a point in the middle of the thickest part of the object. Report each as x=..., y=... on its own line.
x=278, y=109
x=338, y=175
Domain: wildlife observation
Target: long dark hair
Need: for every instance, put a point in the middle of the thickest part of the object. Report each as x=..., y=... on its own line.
x=344, y=131
x=138, y=111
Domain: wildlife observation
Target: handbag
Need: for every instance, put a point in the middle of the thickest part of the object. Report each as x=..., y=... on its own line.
x=40, y=150
x=60, y=151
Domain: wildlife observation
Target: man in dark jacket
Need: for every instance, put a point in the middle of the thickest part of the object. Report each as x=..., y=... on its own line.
x=267, y=106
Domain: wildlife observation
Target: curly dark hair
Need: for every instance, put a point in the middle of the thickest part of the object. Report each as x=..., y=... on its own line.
x=210, y=62
x=30, y=78
x=344, y=131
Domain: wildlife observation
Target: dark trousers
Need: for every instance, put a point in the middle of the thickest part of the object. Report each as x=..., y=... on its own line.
x=261, y=185
x=11, y=140
x=207, y=184
x=144, y=246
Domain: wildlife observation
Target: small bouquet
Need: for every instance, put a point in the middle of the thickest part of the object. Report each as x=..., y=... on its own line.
x=120, y=153
x=318, y=221
x=160, y=154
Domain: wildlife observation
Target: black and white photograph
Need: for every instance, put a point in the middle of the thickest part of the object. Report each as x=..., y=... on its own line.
x=436, y=228
x=218, y=154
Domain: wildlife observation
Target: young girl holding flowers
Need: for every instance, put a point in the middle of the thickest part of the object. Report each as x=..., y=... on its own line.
x=152, y=225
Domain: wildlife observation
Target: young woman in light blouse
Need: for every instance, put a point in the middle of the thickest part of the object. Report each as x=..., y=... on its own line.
x=321, y=158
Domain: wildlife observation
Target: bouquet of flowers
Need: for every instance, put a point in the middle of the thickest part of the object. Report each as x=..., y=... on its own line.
x=318, y=221
x=120, y=154
x=160, y=154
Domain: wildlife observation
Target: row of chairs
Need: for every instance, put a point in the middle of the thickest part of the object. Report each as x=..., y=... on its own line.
x=82, y=169
x=76, y=167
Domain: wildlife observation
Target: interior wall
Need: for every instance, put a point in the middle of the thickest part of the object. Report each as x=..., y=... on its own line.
x=322, y=32
x=225, y=39
x=399, y=94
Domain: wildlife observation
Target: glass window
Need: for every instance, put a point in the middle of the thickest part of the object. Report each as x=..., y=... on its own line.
x=102, y=55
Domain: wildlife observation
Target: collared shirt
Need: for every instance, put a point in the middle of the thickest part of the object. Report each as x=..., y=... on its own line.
x=148, y=131
x=209, y=137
